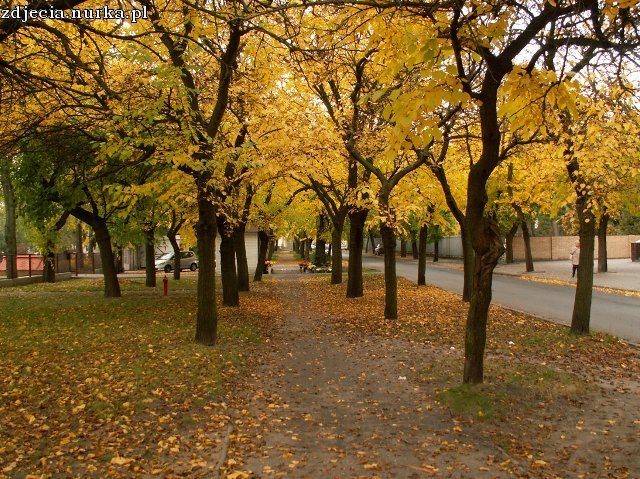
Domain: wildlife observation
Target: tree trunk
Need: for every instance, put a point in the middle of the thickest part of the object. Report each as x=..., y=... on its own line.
x=468, y=259
x=79, y=248
x=355, y=287
x=307, y=249
x=390, y=277
x=320, y=257
x=109, y=273
x=119, y=265
x=10, y=221
x=150, y=258
x=49, y=266
x=320, y=251
x=414, y=249
x=422, y=255
x=263, y=247
x=230, y=295
x=488, y=248
x=172, y=235
x=509, y=241
x=436, y=252
x=241, y=257
x=372, y=240
x=403, y=248
x=271, y=249
x=527, y=245
x=336, y=250
x=207, y=319
x=603, y=267
x=584, y=287
x=483, y=234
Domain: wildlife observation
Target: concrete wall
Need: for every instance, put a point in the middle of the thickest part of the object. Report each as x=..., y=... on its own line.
x=543, y=248
x=559, y=247
x=251, y=245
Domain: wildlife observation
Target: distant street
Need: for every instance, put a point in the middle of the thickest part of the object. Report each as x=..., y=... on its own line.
x=611, y=313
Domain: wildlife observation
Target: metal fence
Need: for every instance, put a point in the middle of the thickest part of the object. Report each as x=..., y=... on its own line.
x=33, y=264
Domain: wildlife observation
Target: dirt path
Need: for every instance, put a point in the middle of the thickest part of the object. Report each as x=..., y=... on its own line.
x=332, y=398
x=322, y=405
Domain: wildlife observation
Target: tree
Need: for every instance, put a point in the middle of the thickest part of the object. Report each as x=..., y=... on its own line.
x=10, y=232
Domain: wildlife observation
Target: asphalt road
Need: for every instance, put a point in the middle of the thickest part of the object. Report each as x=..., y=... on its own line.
x=611, y=313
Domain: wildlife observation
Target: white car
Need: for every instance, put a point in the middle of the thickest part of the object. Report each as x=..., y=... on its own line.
x=188, y=260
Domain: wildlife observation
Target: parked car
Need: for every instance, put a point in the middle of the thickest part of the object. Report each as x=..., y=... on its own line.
x=188, y=260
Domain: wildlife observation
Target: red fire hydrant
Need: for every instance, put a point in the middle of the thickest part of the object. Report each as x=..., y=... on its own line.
x=165, y=284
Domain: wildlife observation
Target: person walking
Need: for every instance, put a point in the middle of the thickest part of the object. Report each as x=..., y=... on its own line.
x=575, y=258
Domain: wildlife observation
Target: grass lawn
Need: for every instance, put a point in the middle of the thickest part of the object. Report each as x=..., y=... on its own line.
x=113, y=387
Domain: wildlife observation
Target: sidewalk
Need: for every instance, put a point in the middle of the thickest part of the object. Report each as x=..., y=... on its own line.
x=623, y=273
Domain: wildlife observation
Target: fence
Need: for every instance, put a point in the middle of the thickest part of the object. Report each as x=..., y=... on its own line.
x=33, y=264
x=545, y=248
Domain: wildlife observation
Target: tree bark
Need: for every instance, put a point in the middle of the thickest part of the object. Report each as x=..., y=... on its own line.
x=272, y=244
x=414, y=249
x=79, y=248
x=603, y=267
x=436, y=252
x=230, y=295
x=488, y=249
x=307, y=249
x=336, y=250
x=150, y=258
x=527, y=245
x=509, y=241
x=355, y=285
x=321, y=244
x=49, y=266
x=263, y=246
x=119, y=265
x=483, y=233
x=241, y=257
x=172, y=235
x=109, y=273
x=320, y=251
x=422, y=255
x=207, y=319
x=390, y=276
x=468, y=259
x=581, y=317
x=10, y=221
x=373, y=241
x=403, y=248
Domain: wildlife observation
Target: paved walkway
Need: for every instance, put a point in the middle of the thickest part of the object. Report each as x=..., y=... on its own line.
x=622, y=274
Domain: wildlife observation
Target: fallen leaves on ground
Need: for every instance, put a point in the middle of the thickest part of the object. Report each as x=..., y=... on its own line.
x=549, y=398
x=603, y=289
x=96, y=387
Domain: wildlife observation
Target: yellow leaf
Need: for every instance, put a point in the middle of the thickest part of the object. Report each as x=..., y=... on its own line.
x=120, y=461
x=237, y=475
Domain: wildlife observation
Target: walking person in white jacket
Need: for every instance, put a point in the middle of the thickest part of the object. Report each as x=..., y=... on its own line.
x=575, y=258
